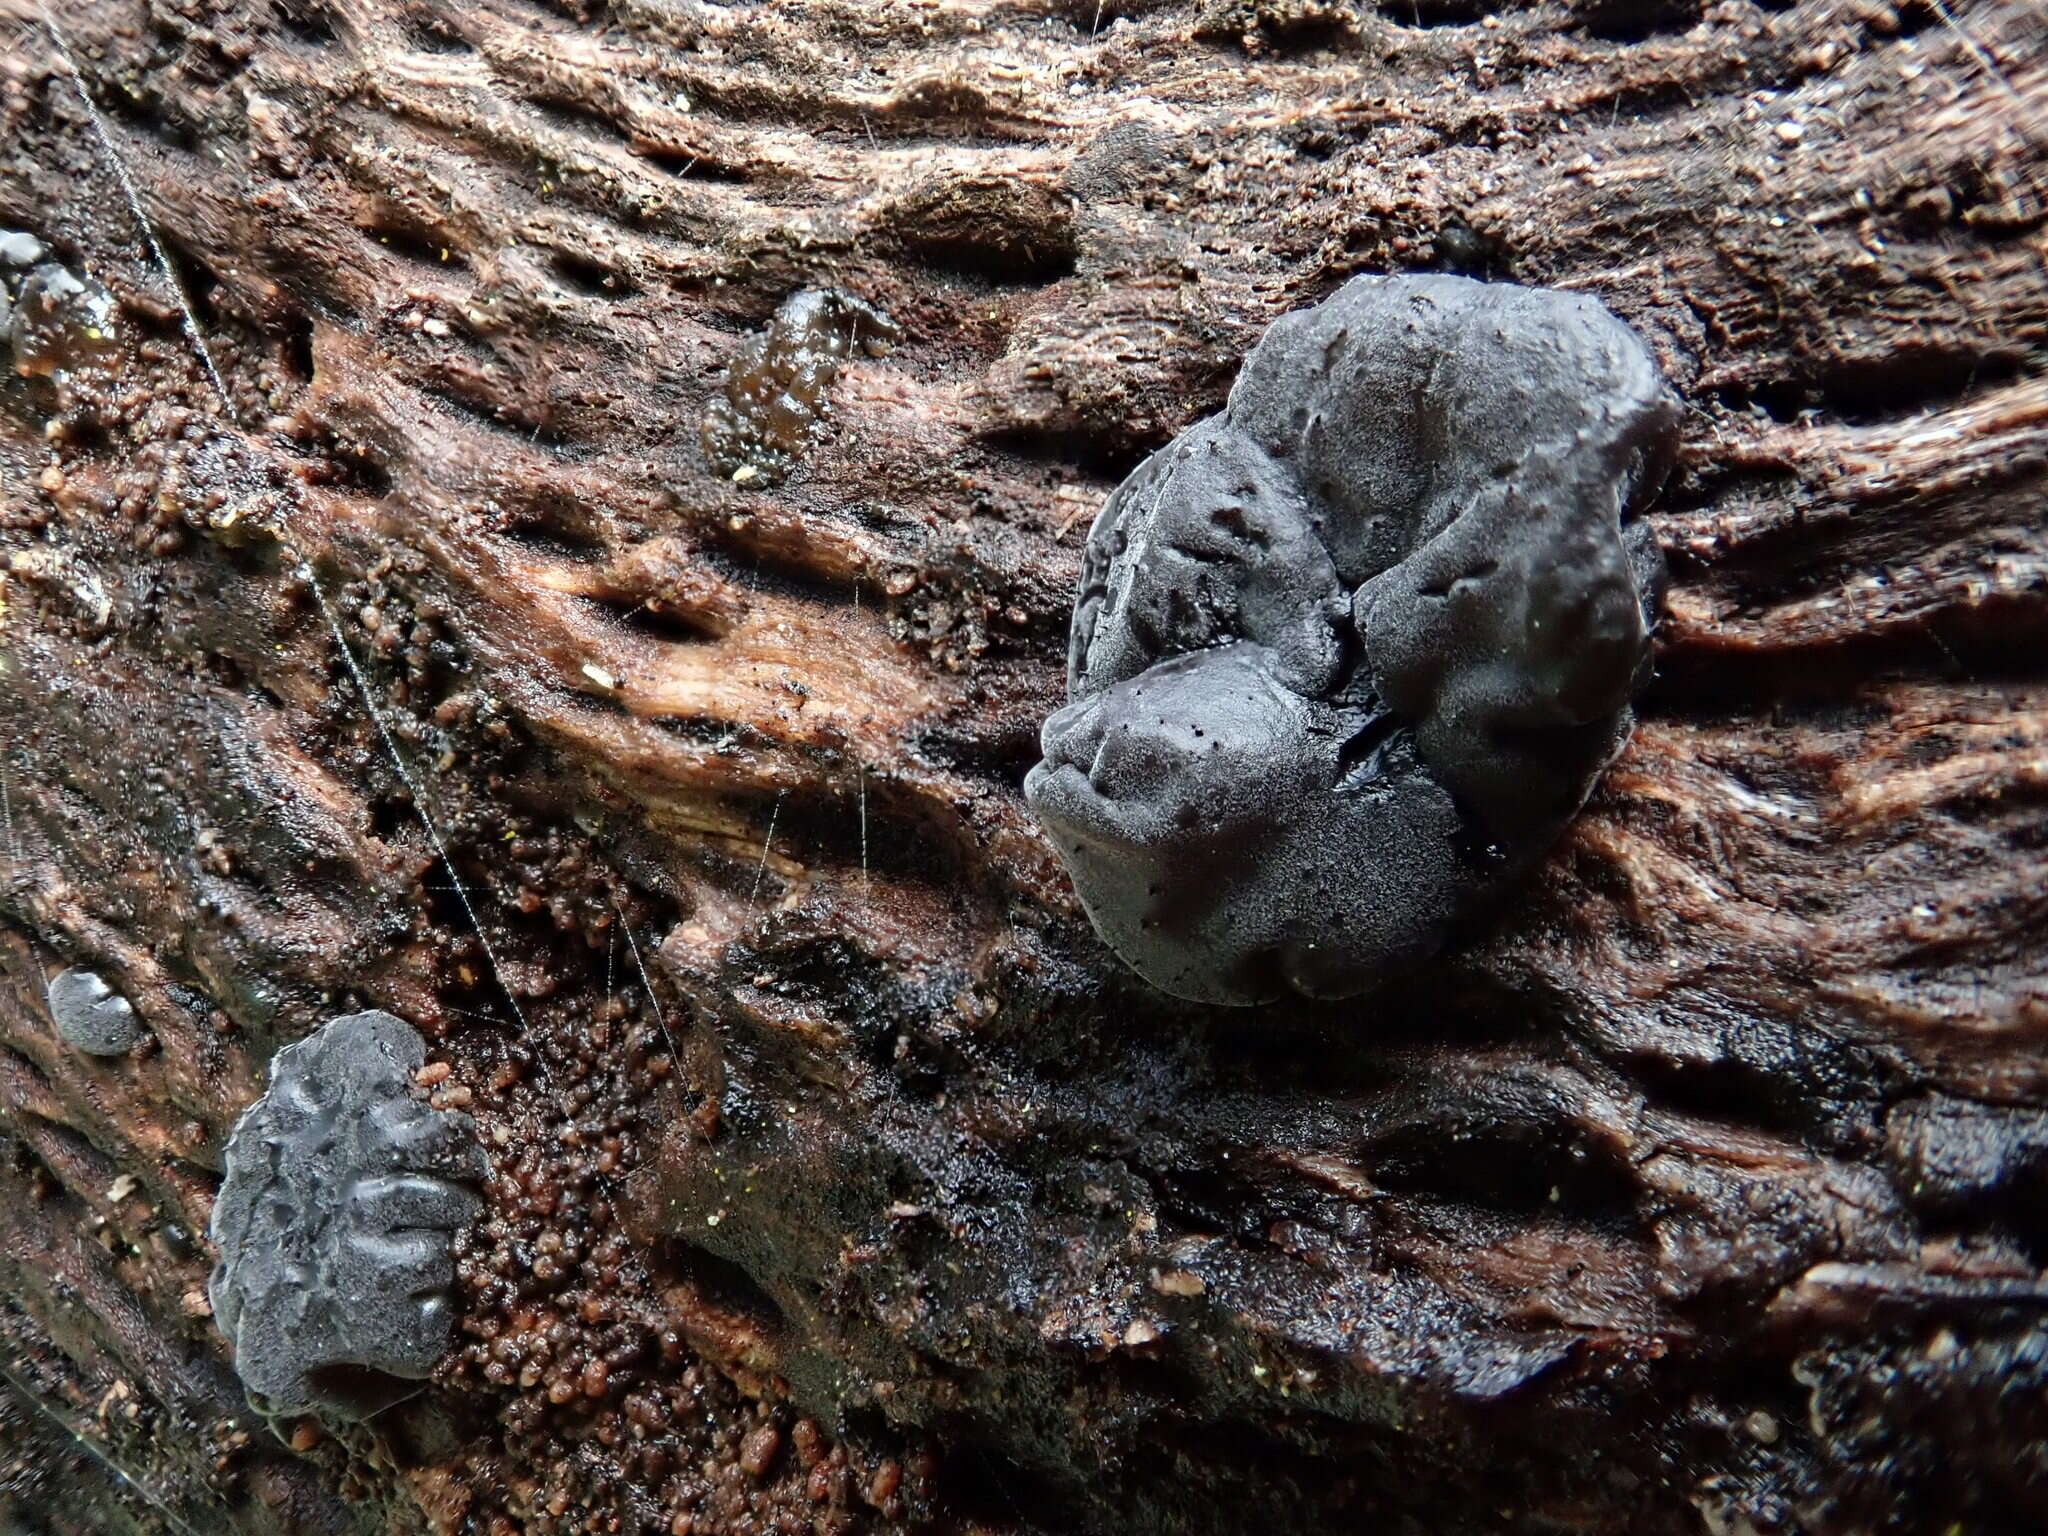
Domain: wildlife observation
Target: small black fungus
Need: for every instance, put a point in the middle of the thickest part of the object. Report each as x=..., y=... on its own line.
x=335, y=1221
x=20, y=250
x=774, y=396
x=1349, y=655
x=19, y=254
x=90, y=1015
x=51, y=318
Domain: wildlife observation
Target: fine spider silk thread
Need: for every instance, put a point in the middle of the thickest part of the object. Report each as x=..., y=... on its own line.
x=646, y=983
x=98, y=1453
x=860, y=766
x=767, y=843
x=306, y=573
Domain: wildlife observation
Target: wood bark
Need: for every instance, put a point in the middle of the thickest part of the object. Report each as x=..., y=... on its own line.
x=842, y=1181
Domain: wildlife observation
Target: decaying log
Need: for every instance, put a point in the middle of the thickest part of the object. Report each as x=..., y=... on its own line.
x=842, y=1180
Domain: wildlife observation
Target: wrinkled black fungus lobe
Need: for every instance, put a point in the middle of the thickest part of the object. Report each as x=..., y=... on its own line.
x=335, y=1221
x=1349, y=655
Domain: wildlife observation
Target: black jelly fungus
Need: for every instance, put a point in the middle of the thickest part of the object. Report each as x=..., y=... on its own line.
x=1388, y=608
x=335, y=1221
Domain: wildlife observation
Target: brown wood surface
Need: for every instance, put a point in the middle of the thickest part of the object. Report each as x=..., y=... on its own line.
x=1699, y=1189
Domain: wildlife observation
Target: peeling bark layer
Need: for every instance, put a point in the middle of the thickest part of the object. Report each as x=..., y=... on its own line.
x=841, y=1180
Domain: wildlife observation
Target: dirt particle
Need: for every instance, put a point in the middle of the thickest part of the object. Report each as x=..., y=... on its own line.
x=883, y=1485
x=757, y=1452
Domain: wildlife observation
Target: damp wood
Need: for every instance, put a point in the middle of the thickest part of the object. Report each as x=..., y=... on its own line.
x=404, y=651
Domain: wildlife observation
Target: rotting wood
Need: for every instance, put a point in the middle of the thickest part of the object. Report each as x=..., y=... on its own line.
x=1700, y=1189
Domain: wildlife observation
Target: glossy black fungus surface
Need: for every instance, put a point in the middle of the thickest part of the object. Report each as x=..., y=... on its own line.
x=334, y=1223
x=775, y=387
x=90, y=1015
x=1349, y=655
x=20, y=253
x=51, y=318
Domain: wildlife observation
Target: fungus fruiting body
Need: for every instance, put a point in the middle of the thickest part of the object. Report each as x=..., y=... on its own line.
x=756, y=429
x=1348, y=656
x=52, y=319
x=335, y=1221
x=90, y=1015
